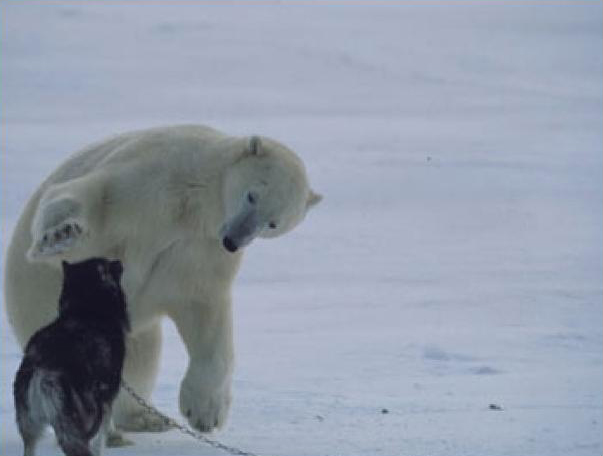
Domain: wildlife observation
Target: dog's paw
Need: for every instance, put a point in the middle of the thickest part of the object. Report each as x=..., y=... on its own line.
x=57, y=239
x=204, y=412
x=144, y=422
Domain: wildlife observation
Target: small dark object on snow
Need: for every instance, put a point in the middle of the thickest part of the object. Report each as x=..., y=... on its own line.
x=428, y=159
x=384, y=411
x=495, y=407
x=319, y=418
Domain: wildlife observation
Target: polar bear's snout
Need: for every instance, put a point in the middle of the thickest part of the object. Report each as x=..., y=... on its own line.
x=240, y=230
x=229, y=244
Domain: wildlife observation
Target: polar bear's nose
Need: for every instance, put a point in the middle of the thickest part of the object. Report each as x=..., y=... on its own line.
x=229, y=245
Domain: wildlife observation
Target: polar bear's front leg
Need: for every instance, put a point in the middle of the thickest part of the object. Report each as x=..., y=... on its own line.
x=205, y=399
x=205, y=390
x=69, y=215
x=57, y=227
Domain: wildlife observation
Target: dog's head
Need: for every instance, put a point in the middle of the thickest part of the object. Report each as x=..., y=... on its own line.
x=93, y=286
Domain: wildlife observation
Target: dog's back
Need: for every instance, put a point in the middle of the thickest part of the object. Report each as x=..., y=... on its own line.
x=71, y=370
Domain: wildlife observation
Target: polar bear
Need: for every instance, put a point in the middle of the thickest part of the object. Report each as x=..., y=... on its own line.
x=176, y=205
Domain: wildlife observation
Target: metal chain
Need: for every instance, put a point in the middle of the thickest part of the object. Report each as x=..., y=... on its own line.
x=182, y=428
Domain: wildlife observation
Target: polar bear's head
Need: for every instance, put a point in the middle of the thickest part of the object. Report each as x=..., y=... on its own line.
x=265, y=194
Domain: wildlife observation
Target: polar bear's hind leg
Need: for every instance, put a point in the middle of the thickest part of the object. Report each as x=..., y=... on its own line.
x=140, y=371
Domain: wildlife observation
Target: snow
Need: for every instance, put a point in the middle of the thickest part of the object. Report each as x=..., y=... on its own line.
x=456, y=260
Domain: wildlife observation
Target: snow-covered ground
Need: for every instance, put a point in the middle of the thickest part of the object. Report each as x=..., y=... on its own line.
x=456, y=261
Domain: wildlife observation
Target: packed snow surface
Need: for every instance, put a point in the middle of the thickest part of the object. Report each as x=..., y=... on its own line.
x=446, y=296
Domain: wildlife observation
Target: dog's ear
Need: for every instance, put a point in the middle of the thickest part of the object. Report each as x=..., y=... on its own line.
x=116, y=269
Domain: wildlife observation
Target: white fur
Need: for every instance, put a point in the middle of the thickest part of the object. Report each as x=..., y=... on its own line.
x=161, y=201
x=42, y=400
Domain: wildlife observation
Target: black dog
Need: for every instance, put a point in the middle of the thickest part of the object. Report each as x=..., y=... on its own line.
x=71, y=371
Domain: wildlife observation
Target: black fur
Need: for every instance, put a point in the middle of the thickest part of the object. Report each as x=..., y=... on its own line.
x=71, y=371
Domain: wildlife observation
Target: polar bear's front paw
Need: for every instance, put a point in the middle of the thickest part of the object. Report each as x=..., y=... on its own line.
x=205, y=412
x=57, y=239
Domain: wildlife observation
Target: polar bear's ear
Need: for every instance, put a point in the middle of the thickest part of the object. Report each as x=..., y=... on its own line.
x=255, y=146
x=313, y=199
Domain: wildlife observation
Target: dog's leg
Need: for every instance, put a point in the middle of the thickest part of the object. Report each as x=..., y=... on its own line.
x=29, y=427
x=73, y=444
x=30, y=433
x=97, y=443
x=71, y=435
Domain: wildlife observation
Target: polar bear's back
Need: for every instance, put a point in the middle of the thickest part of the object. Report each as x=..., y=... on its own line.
x=125, y=145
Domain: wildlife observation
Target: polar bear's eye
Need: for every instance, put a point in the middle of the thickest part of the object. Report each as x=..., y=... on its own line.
x=251, y=198
x=272, y=225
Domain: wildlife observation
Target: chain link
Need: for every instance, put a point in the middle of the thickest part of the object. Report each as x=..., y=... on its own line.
x=182, y=428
